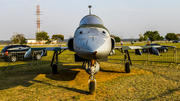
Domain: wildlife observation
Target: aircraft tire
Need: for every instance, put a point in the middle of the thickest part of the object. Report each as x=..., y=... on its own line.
x=111, y=53
x=92, y=87
x=38, y=57
x=54, y=69
x=13, y=58
x=127, y=67
x=165, y=50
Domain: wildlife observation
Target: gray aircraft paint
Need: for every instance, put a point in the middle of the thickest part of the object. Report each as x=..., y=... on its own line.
x=91, y=36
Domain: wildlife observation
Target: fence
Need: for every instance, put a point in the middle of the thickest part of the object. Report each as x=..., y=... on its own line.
x=16, y=59
x=170, y=56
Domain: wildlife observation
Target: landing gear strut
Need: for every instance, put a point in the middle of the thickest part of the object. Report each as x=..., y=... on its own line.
x=55, y=58
x=92, y=80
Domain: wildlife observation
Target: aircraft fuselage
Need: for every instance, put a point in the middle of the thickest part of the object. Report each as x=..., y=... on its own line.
x=91, y=39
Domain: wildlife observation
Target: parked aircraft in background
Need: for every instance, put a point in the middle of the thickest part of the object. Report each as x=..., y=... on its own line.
x=92, y=44
x=160, y=48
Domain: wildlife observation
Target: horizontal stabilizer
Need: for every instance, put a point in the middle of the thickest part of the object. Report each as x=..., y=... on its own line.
x=28, y=54
x=138, y=52
x=42, y=54
x=169, y=46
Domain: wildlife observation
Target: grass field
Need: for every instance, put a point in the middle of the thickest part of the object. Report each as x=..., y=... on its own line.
x=145, y=82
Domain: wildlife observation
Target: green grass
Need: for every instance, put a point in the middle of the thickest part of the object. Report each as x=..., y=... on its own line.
x=145, y=82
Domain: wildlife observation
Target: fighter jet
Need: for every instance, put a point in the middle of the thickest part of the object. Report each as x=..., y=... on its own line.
x=92, y=44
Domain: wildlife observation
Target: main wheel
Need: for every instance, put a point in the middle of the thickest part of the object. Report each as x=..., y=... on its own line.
x=13, y=58
x=111, y=53
x=54, y=69
x=127, y=67
x=165, y=50
x=38, y=57
x=92, y=87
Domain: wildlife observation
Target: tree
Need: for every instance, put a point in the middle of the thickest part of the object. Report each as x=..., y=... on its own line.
x=142, y=38
x=178, y=35
x=58, y=36
x=117, y=39
x=42, y=36
x=23, y=40
x=160, y=38
x=171, y=36
x=48, y=41
x=18, y=39
x=153, y=35
x=145, y=37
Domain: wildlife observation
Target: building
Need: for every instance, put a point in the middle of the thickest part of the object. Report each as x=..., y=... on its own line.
x=34, y=41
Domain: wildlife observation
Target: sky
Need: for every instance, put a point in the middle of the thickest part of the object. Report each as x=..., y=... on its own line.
x=123, y=18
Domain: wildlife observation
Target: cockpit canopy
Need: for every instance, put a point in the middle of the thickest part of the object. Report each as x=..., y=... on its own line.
x=90, y=19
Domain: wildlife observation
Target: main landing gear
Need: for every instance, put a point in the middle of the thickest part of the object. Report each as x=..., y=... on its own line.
x=127, y=60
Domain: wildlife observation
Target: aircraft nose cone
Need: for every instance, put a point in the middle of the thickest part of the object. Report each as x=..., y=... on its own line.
x=94, y=43
x=92, y=47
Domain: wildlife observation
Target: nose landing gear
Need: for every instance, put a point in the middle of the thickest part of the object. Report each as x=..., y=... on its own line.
x=92, y=67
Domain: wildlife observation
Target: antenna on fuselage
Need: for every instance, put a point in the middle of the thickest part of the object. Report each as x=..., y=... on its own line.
x=90, y=9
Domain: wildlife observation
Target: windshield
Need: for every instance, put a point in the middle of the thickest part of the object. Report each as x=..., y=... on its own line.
x=90, y=19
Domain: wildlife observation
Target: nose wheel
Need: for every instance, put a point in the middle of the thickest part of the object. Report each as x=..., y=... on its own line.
x=92, y=85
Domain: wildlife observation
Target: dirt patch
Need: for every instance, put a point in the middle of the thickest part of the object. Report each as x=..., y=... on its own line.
x=80, y=78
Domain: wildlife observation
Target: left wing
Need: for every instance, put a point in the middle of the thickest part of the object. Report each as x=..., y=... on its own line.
x=137, y=49
x=29, y=52
x=50, y=48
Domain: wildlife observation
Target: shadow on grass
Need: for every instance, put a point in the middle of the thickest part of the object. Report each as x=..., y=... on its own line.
x=10, y=79
x=71, y=89
x=63, y=75
x=22, y=76
x=16, y=80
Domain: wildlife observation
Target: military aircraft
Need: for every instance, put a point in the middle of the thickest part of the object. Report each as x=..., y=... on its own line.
x=92, y=44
